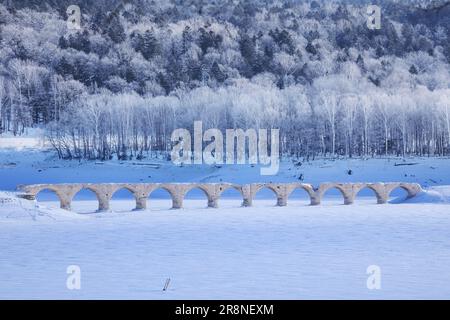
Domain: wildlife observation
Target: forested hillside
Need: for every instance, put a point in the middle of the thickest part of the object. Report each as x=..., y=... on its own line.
x=136, y=70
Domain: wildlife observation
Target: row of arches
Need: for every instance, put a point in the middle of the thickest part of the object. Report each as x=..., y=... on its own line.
x=86, y=200
x=122, y=200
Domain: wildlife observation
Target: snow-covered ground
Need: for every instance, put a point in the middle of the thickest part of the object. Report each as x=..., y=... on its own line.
x=263, y=252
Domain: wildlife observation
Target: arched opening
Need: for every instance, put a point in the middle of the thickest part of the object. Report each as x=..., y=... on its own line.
x=366, y=196
x=196, y=198
x=122, y=200
x=48, y=198
x=159, y=199
x=299, y=197
x=230, y=198
x=398, y=195
x=265, y=197
x=85, y=201
x=333, y=196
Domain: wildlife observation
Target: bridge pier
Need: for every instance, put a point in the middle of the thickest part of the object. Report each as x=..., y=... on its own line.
x=141, y=193
x=213, y=202
x=247, y=197
x=349, y=191
x=104, y=193
x=65, y=204
x=141, y=203
x=103, y=204
x=66, y=194
x=382, y=198
x=316, y=199
x=380, y=192
x=177, y=202
x=282, y=201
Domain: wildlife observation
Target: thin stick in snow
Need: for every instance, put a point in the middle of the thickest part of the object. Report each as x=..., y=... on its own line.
x=166, y=285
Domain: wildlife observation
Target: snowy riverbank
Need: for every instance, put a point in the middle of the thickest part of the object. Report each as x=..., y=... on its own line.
x=41, y=166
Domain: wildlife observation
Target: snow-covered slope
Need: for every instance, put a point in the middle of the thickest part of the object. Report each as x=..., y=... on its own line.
x=13, y=208
x=432, y=195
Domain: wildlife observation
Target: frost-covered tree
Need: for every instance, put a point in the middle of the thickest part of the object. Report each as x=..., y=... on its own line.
x=135, y=72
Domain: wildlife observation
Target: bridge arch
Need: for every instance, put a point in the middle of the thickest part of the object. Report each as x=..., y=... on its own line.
x=224, y=190
x=261, y=188
x=79, y=193
x=204, y=191
x=374, y=191
x=119, y=188
x=411, y=189
x=129, y=191
x=327, y=188
x=53, y=191
x=303, y=189
x=171, y=192
x=159, y=192
x=225, y=187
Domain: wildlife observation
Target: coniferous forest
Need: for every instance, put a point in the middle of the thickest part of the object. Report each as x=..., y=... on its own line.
x=137, y=70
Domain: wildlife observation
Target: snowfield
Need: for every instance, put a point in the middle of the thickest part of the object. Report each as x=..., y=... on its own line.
x=262, y=252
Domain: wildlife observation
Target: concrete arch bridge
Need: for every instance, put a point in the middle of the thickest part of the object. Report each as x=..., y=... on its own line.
x=213, y=191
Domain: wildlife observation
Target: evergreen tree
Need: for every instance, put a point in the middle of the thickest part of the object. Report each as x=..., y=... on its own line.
x=147, y=44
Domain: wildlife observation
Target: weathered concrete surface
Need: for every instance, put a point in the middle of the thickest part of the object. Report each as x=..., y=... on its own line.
x=213, y=191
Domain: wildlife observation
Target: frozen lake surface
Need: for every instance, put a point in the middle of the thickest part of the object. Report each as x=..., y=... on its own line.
x=263, y=252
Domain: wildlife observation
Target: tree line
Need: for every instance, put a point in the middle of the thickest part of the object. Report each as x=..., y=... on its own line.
x=316, y=122
x=137, y=70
